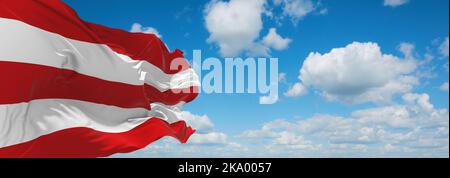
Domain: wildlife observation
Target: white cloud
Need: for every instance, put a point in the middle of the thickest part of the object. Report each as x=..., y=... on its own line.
x=234, y=25
x=415, y=126
x=204, y=127
x=274, y=40
x=359, y=73
x=136, y=27
x=292, y=141
x=407, y=49
x=323, y=11
x=288, y=138
x=266, y=130
x=297, y=9
x=412, y=128
x=421, y=100
x=393, y=116
x=209, y=138
x=443, y=48
x=206, y=145
x=268, y=99
x=389, y=147
x=417, y=112
x=205, y=133
x=444, y=87
x=296, y=90
x=205, y=142
x=395, y=3
x=284, y=138
x=258, y=49
x=200, y=123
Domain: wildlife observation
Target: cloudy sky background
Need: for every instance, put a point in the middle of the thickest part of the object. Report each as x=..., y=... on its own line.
x=357, y=78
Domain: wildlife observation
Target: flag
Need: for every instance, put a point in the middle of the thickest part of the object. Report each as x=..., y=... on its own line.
x=70, y=88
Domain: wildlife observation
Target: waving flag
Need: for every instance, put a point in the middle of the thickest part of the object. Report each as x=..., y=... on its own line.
x=71, y=88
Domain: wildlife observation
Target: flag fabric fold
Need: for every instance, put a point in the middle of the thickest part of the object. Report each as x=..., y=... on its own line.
x=71, y=88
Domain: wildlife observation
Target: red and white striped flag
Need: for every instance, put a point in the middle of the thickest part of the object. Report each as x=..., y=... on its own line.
x=71, y=88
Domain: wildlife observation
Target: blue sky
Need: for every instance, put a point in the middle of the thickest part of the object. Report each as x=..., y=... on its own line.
x=404, y=115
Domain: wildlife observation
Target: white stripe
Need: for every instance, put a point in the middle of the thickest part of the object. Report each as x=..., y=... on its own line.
x=23, y=122
x=20, y=42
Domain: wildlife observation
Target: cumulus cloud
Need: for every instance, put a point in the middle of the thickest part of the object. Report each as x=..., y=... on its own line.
x=204, y=127
x=407, y=49
x=136, y=27
x=274, y=40
x=209, y=138
x=422, y=100
x=235, y=27
x=268, y=99
x=395, y=3
x=296, y=90
x=416, y=125
x=443, y=48
x=323, y=11
x=200, y=123
x=359, y=73
x=297, y=9
x=412, y=128
x=292, y=141
x=205, y=142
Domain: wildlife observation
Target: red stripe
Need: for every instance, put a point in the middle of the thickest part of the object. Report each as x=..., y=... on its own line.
x=86, y=142
x=22, y=82
x=55, y=16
